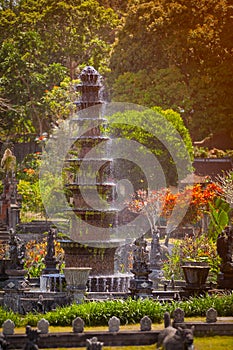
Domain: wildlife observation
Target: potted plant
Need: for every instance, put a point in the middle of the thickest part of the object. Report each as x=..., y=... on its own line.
x=197, y=250
x=198, y=256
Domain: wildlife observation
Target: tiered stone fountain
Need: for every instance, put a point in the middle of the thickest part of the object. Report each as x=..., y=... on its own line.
x=91, y=192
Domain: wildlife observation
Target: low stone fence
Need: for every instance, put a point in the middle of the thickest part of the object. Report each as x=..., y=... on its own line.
x=113, y=336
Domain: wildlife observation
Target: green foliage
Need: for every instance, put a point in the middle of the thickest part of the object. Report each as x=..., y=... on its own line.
x=172, y=265
x=31, y=197
x=219, y=217
x=160, y=132
x=28, y=187
x=59, y=101
x=28, y=169
x=128, y=311
x=162, y=87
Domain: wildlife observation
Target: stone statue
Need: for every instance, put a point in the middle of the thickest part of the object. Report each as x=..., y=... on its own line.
x=50, y=243
x=225, y=249
x=93, y=344
x=16, y=251
x=50, y=259
x=156, y=253
x=8, y=163
x=32, y=338
x=3, y=343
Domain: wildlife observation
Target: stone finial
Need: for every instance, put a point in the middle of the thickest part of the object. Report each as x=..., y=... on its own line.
x=178, y=316
x=114, y=324
x=8, y=327
x=211, y=315
x=93, y=344
x=145, y=324
x=43, y=326
x=78, y=325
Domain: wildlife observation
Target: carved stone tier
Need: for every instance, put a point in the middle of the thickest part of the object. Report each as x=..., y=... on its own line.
x=101, y=260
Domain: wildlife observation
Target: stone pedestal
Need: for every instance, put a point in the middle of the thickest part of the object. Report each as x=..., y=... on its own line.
x=16, y=280
x=50, y=267
x=155, y=260
x=4, y=265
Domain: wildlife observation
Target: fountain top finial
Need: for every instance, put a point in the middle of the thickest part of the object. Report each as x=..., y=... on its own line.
x=90, y=76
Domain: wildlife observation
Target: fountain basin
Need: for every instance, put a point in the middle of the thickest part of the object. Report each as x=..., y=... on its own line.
x=116, y=283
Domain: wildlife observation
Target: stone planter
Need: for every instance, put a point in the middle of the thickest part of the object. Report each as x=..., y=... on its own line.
x=76, y=277
x=196, y=274
x=76, y=280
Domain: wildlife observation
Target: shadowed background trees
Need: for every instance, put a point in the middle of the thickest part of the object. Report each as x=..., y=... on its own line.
x=178, y=54
x=169, y=53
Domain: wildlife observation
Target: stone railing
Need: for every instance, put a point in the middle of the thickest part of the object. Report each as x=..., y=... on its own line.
x=113, y=336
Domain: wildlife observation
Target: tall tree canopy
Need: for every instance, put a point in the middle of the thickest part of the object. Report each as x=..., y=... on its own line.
x=178, y=54
x=43, y=41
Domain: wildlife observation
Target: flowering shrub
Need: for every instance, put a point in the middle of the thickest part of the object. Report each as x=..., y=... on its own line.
x=4, y=250
x=157, y=204
x=28, y=170
x=201, y=197
x=35, y=254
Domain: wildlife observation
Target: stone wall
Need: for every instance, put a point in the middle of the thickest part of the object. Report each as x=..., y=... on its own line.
x=114, y=336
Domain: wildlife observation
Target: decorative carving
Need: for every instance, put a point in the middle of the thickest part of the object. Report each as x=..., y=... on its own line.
x=178, y=316
x=156, y=252
x=145, y=324
x=78, y=325
x=43, y=326
x=8, y=327
x=50, y=260
x=140, y=285
x=114, y=324
x=211, y=315
x=16, y=251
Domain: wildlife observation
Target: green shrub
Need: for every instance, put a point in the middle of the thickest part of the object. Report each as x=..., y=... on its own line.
x=129, y=311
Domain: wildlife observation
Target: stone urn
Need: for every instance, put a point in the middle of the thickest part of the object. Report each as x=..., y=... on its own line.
x=196, y=274
x=76, y=280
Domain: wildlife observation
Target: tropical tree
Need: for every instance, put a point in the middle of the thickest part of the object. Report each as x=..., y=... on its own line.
x=161, y=132
x=42, y=42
